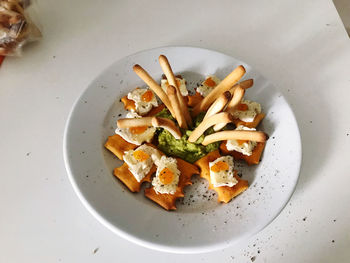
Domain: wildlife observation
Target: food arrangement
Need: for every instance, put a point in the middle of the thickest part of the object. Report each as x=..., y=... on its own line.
x=169, y=135
x=16, y=28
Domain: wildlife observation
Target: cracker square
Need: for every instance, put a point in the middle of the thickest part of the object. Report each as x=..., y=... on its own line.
x=225, y=193
x=168, y=201
x=128, y=104
x=250, y=160
x=258, y=118
x=124, y=175
x=117, y=145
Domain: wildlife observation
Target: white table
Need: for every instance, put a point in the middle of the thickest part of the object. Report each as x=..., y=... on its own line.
x=301, y=46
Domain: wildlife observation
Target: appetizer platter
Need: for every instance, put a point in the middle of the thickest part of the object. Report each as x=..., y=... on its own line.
x=147, y=177
x=169, y=135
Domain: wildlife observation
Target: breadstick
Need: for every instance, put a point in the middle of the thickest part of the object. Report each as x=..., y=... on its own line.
x=223, y=86
x=256, y=136
x=165, y=65
x=236, y=99
x=168, y=125
x=223, y=117
x=245, y=84
x=171, y=91
x=219, y=104
x=154, y=86
x=134, y=122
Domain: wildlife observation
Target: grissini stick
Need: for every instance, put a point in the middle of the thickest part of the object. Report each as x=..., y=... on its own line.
x=171, y=91
x=154, y=86
x=256, y=136
x=134, y=122
x=226, y=84
x=245, y=84
x=236, y=99
x=168, y=125
x=223, y=117
x=168, y=72
x=218, y=104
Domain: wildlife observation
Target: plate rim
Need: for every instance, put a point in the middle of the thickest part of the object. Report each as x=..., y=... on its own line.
x=143, y=242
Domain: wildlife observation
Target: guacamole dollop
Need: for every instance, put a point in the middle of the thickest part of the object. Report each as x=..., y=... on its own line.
x=182, y=148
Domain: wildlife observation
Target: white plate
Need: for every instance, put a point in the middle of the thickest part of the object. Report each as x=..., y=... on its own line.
x=200, y=224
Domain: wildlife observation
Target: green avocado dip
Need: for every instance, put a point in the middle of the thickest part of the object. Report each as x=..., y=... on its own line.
x=182, y=148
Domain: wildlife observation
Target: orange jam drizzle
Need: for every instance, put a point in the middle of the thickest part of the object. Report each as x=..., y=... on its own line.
x=166, y=176
x=138, y=129
x=140, y=156
x=240, y=142
x=147, y=96
x=210, y=82
x=242, y=107
x=219, y=166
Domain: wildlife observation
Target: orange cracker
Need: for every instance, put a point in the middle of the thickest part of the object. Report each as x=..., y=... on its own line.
x=252, y=159
x=128, y=104
x=258, y=118
x=167, y=201
x=193, y=100
x=117, y=145
x=225, y=193
x=127, y=178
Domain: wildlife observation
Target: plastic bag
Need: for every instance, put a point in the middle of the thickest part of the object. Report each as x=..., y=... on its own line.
x=16, y=28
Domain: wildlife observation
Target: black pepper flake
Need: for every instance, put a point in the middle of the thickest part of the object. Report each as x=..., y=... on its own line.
x=119, y=114
x=258, y=251
x=95, y=250
x=28, y=153
x=253, y=259
x=333, y=241
x=304, y=219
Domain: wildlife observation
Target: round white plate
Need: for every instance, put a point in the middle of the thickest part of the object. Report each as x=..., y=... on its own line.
x=199, y=224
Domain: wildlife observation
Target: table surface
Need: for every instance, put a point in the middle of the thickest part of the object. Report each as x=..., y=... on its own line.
x=301, y=46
